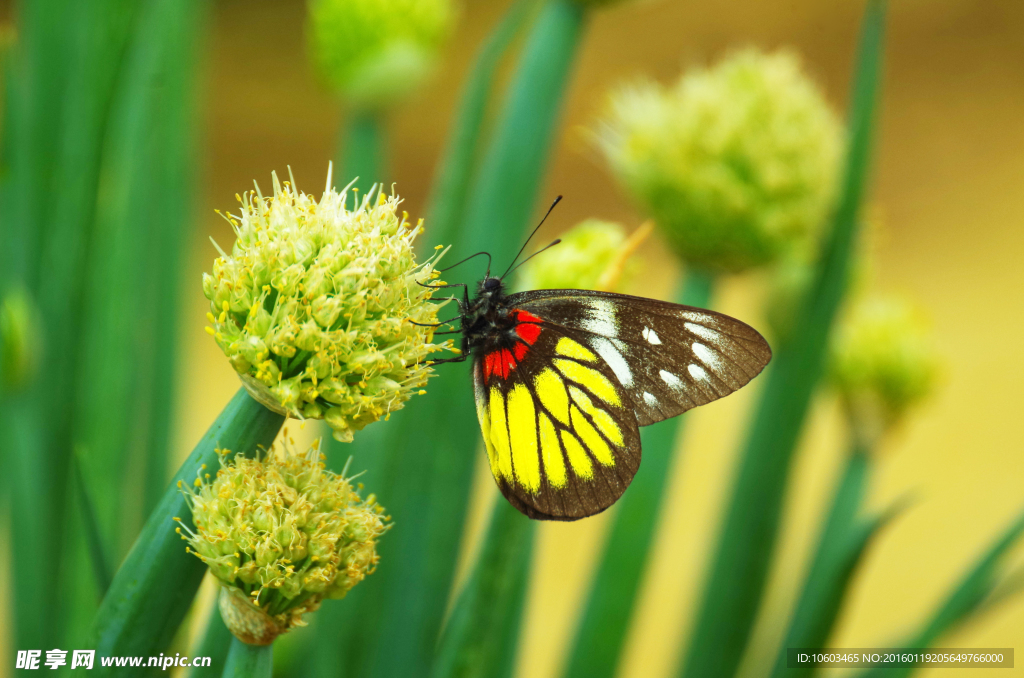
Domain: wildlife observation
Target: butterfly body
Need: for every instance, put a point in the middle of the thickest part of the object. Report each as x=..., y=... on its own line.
x=563, y=379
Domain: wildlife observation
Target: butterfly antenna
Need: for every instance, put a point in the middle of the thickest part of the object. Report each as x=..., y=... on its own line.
x=448, y=268
x=523, y=248
x=543, y=249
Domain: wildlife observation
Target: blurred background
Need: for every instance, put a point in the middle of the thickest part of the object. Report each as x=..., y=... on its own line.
x=946, y=193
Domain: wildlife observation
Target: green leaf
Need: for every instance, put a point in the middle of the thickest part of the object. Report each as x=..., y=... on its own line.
x=362, y=152
x=746, y=542
x=976, y=592
x=249, y=661
x=154, y=588
x=480, y=639
x=93, y=538
x=448, y=196
x=608, y=610
x=842, y=544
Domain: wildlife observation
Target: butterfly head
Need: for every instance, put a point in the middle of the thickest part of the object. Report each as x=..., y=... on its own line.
x=490, y=287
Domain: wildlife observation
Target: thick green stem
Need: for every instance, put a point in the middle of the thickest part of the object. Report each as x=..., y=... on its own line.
x=481, y=637
x=609, y=608
x=425, y=473
x=153, y=589
x=362, y=151
x=249, y=661
x=746, y=542
x=217, y=640
x=842, y=543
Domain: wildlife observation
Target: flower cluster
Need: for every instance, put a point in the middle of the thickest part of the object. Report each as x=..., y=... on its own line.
x=882, y=364
x=375, y=51
x=736, y=163
x=281, y=533
x=316, y=304
x=580, y=261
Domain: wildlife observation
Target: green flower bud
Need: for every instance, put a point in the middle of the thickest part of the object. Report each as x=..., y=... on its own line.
x=313, y=306
x=19, y=340
x=280, y=533
x=581, y=261
x=375, y=52
x=736, y=163
x=882, y=364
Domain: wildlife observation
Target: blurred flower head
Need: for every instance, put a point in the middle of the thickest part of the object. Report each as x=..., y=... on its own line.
x=280, y=533
x=736, y=163
x=19, y=340
x=581, y=261
x=313, y=306
x=374, y=52
x=882, y=364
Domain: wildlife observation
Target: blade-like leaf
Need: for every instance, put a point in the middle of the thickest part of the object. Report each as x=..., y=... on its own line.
x=480, y=638
x=609, y=608
x=844, y=539
x=746, y=542
x=970, y=597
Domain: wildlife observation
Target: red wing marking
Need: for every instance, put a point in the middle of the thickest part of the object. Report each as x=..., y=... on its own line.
x=528, y=328
x=501, y=362
x=520, y=350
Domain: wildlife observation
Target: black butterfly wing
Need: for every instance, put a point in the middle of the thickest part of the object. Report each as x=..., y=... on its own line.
x=668, y=358
x=561, y=403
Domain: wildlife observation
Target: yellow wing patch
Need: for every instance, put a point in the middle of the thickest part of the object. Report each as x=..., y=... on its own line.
x=522, y=429
x=581, y=463
x=551, y=453
x=605, y=423
x=590, y=379
x=499, y=435
x=551, y=391
x=574, y=349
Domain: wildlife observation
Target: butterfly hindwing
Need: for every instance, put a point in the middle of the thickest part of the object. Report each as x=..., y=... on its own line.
x=561, y=400
x=561, y=442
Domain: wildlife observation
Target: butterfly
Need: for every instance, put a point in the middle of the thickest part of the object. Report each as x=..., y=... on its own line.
x=564, y=379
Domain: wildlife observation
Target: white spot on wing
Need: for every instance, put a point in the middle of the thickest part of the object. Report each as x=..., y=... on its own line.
x=651, y=336
x=650, y=399
x=600, y=318
x=704, y=333
x=707, y=356
x=670, y=379
x=702, y=318
x=611, y=355
x=697, y=372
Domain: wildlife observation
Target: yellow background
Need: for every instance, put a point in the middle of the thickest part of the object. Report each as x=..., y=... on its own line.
x=948, y=191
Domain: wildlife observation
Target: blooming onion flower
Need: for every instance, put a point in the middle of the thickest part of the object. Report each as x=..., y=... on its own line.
x=280, y=533
x=315, y=306
x=736, y=163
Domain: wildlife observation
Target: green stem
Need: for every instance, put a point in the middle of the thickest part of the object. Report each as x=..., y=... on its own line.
x=840, y=547
x=480, y=639
x=425, y=456
x=609, y=607
x=249, y=661
x=154, y=588
x=217, y=639
x=746, y=542
x=362, y=151
x=451, y=185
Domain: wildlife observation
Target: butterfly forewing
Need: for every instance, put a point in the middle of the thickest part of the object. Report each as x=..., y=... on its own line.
x=561, y=401
x=667, y=358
